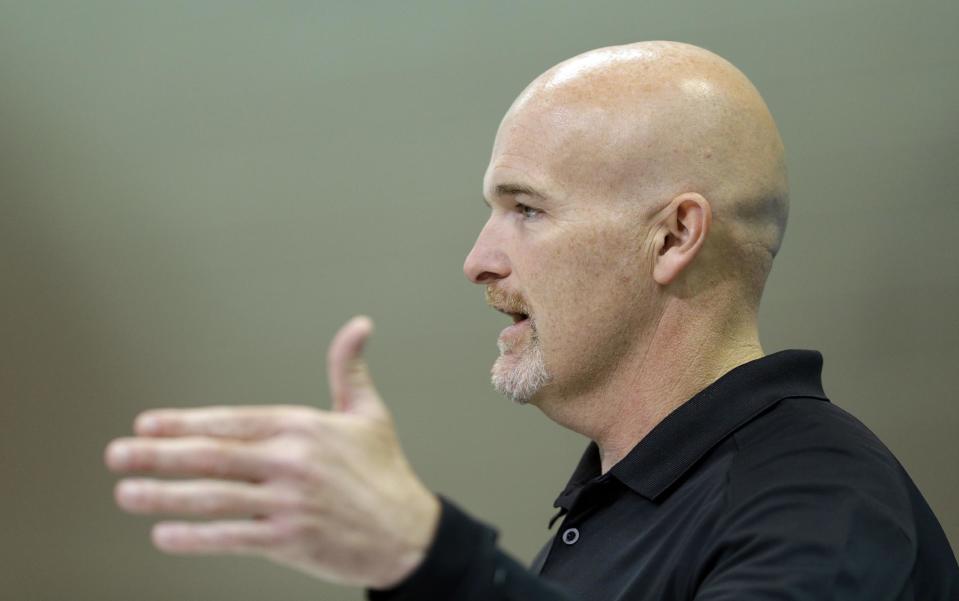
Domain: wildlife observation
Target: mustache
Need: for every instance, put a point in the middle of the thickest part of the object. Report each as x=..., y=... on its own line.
x=505, y=301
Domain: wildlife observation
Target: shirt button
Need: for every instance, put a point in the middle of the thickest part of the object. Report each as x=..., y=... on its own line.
x=571, y=536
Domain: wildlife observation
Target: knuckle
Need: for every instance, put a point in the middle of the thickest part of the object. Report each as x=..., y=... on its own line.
x=273, y=538
x=297, y=501
x=211, y=504
x=151, y=503
x=147, y=499
x=285, y=532
x=295, y=418
x=317, y=422
x=301, y=529
x=294, y=459
x=141, y=457
x=210, y=459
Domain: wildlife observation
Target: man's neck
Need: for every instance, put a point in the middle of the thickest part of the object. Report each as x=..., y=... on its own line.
x=653, y=381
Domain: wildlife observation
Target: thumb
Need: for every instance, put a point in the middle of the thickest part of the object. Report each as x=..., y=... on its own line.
x=351, y=386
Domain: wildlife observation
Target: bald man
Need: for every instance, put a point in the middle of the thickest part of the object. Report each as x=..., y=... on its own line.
x=637, y=198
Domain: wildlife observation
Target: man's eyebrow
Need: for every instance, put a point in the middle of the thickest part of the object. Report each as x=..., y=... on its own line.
x=514, y=190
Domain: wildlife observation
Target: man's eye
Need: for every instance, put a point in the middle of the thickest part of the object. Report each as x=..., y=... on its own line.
x=528, y=212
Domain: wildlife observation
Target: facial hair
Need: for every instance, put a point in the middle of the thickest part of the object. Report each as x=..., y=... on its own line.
x=520, y=376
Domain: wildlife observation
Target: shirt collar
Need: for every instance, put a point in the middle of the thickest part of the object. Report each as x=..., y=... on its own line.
x=678, y=442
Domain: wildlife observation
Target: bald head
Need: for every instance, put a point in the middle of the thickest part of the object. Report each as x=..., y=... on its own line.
x=646, y=122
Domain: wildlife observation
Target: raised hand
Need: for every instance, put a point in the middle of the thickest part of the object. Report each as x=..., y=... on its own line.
x=328, y=492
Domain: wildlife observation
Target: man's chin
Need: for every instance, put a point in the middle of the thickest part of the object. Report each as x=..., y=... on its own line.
x=520, y=377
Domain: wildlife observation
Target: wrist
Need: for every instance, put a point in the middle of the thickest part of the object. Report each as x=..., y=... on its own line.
x=416, y=540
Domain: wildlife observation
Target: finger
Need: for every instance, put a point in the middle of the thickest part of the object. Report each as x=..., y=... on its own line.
x=244, y=423
x=202, y=498
x=240, y=536
x=189, y=456
x=351, y=386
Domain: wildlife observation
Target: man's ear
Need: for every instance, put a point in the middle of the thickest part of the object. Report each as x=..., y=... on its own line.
x=683, y=228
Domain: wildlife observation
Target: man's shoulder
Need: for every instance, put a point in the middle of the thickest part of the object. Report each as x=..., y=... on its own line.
x=810, y=475
x=808, y=424
x=812, y=497
x=811, y=444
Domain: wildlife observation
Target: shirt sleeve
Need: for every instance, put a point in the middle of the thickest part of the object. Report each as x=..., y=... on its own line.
x=465, y=564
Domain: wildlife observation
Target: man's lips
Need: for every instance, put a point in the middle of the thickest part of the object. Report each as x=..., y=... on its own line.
x=515, y=329
x=521, y=322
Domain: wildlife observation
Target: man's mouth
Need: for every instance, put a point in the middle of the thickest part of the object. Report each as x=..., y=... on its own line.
x=518, y=317
x=511, y=305
x=513, y=333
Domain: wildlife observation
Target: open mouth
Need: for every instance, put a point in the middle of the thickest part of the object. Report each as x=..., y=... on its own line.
x=516, y=317
x=514, y=332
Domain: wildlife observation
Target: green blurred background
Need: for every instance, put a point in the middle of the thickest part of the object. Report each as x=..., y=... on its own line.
x=195, y=195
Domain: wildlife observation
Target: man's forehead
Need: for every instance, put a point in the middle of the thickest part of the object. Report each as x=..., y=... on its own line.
x=551, y=146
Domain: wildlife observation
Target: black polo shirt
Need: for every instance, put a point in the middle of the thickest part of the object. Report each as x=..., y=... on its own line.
x=756, y=488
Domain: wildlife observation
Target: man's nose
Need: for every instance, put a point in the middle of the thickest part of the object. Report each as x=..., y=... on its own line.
x=486, y=262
